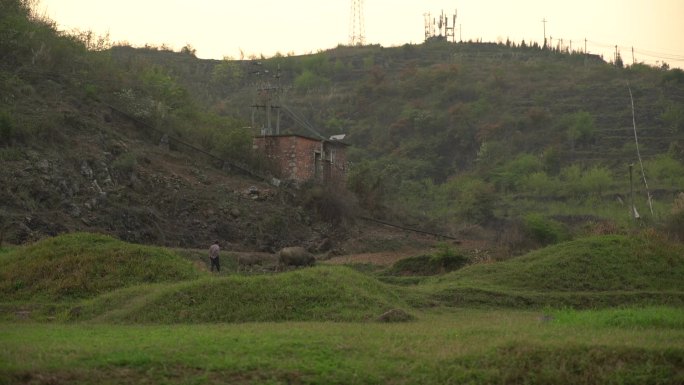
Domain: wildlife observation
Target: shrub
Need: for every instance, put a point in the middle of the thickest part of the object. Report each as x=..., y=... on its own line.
x=476, y=201
x=543, y=230
x=125, y=163
x=444, y=261
x=665, y=171
x=308, y=80
x=541, y=184
x=571, y=177
x=333, y=205
x=6, y=128
x=233, y=143
x=673, y=116
x=581, y=127
x=11, y=154
x=226, y=75
x=511, y=176
x=596, y=180
x=674, y=224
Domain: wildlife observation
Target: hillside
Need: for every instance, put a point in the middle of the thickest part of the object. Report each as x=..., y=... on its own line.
x=447, y=134
x=120, y=165
x=89, y=145
x=467, y=139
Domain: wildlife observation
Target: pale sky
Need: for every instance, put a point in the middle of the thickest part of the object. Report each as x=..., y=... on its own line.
x=218, y=28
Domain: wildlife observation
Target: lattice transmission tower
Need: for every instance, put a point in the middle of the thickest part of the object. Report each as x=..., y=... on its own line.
x=357, y=24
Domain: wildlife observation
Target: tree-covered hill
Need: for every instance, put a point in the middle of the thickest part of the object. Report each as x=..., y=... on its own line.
x=88, y=143
x=448, y=134
x=454, y=137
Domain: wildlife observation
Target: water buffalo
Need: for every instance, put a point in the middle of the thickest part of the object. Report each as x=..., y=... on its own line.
x=296, y=256
x=249, y=260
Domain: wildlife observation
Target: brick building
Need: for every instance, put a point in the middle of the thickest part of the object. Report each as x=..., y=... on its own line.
x=300, y=159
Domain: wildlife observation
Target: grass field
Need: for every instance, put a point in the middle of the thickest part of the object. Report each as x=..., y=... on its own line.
x=443, y=347
x=598, y=310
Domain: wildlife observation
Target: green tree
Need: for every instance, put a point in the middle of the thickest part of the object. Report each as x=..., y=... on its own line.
x=540, y=183
x=511, y=176
x=667, y=171
x=308, y=80
x=596, y=180
x=163, y=87
x=571, y=177
x=368, y=184
x=581, y=128
x=226, y=75
x=476, y=200
x=189, y=50
x=318, y=64
x=673, y=116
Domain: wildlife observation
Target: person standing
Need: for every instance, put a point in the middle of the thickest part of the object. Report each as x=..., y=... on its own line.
x=214, y=256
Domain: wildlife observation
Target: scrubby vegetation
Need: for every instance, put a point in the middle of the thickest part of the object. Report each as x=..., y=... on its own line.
x=40, y=63
x=445, y=260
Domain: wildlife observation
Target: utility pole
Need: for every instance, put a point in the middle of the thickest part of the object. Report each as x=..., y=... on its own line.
x=544, y=21
x=632, y=210
x=633, y=61
x=585, y=45
x=267, y=98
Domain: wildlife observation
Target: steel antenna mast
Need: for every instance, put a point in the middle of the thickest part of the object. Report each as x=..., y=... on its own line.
x=357, y=24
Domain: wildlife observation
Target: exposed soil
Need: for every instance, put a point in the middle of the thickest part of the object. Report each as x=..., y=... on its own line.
x=110, y=176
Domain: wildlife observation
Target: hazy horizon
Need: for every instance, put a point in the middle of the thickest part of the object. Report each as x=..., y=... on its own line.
x=227, y=28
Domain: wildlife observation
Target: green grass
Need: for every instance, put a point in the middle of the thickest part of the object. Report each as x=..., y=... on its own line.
x=318, y=294
x=4, y=250
x=315, y=325
x=83, y=265
x=443, y=347
x=589, y=272
x=630, y=318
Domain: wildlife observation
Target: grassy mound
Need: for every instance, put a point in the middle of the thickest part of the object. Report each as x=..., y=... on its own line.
x=82, y=265
x=602, y=270
x=312, y=294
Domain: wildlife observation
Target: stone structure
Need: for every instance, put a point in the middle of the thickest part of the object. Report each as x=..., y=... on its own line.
x=300, y=159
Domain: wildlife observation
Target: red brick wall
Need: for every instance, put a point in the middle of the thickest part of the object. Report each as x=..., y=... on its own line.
x=292, y=155
x=295, y=157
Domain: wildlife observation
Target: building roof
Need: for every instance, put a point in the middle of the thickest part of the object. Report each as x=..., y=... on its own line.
x=331, y=140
